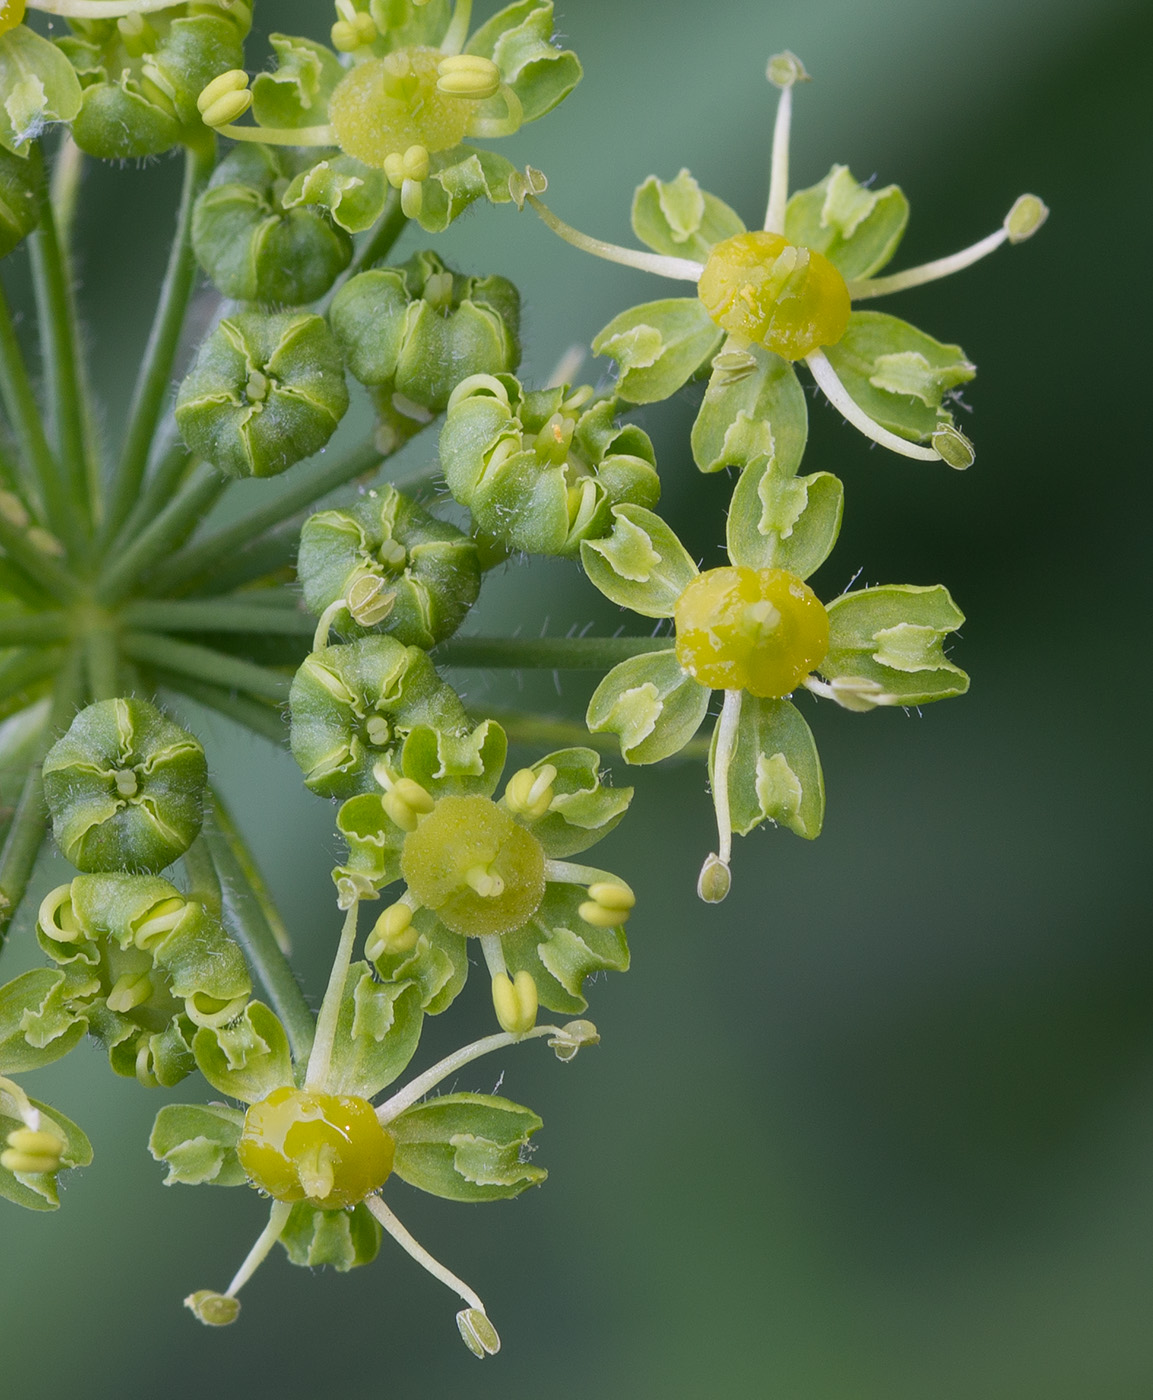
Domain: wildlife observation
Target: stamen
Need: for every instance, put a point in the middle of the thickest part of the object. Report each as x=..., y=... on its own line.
x=320, y=1058
x=852, y=412
x=1021, y=222
x=468, y=75
x=682, y=269
x=281, y=136
x=393, y=932
x=515, y=1002
x=855, y=693
x=327, y=617
x=219, y=1309
x=484, y=881
x=713, y=889
x=491, y=126
x=783, y=71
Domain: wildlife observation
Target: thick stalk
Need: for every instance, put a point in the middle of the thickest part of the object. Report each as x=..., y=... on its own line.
x=257, y=885
x=155, y=375
x=204, y=664
x=203, y=879
x=317, y=480
x=546, y=653
x=28, y=825
x=102, y=659
x=247, y=923
x=193, y=615
x=56, y=317
x=167, y=532
x=41, y=475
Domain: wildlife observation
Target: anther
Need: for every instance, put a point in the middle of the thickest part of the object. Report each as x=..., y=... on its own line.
x=392, y=552
x=486, y=882
x=225, y=98
x=353, y=30
x=731, y=366
x=715, y=880
x=256, y=387
x=477, y=1332
x=126, y=784
x=131, y=990
x=377, y=727
x=412, y=165
x=393, y=933
x=608, y=905
x=515, y=1001
x=571, y=1037
x=213, y=1309
x=529, y=793
x=785, y=69
x=1025, y=218
x=406, y=802
x=468, y=75
x=32, y=1150
x=953, y=447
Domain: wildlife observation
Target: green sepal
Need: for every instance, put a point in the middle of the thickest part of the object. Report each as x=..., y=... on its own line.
x=456, y=765
x=421, y=601
x=39, y=86
x=403, y=23
x=247, y=1059
x=893, y=636
x=775, y=770
x=253, y=244
x=457, y=178
x=39, y=1190
x=583, y=807
x=466, y=1147
x=34, y=1004
x=373, y=839
x=658, y=347
x=760, y=415
x=680, y=220
x=337, y=693
x=352, y=193
x=856, y=228
x=780, y=521
x=559, y=950
x=296, y=92
x=898, y=374
x=651, y=704
x=437, y=963
x=153, y=1058
x=197, y=1143
x=266, y=390
x=19, y=205
x=377, y=1033
x=641, y=565
x=99, y=826
x=518, y=39
x=342, y=1239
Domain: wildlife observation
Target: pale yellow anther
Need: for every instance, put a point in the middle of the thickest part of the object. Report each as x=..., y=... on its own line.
x=376, y=727
x=412, y=165
x=487, y=883
x=612, y=895
x=235, y=80
x=468, y=75
x=130, y=990
x=27, y=1162
x=353, y=30
x=406, y=802
x=515, y=1001
x=226, y=109
x=1025, y=218
x=762, y=618
x=715, y=880
x=529, y=792
x=126, y=783
x=370, y=601
x=392, y=552
x=393, y=933
x=32, y=1150
x=256, y=386
x=57, y=918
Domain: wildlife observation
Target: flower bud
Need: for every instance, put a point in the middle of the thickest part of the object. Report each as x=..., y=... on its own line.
x=252, y=247
x=266, y=391
x=413, y=332
x=477, y=1332
x=124, y=787
x=144, y=77
x=515, y=1001
x=213, y=1309
x=353, y=704
x=19, y=208
x=397, y=568
x=539, y=470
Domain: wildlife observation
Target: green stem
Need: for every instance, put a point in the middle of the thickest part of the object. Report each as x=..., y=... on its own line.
x=271, y=554
x=65, y=386
x=203, y=880
x=42, y=477
x=40, y=567
x=24, y=668
x=260, y=719
x=247, y=922
x=40, y=629
x=154, y=378
x=309, y=486
x=192, y=615
x=166, y=479
x=320, y=1060
x=102, y=658
x=167, y=532
x=204, y=664
x=547, y=653
x=257, y=885
x=28, y=825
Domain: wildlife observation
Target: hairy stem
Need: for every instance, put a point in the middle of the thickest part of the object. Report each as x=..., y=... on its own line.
x=202, y=663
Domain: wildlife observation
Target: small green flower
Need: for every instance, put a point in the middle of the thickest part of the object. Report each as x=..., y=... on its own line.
x=541, y=470
x=312, y=1140
x=757, y=632
x=125, y=788
x=769, y=297
x=475, y=866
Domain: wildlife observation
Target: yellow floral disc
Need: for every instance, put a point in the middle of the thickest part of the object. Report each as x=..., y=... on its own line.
x=765, y=290
x=323, y=1148
x=760, y=630
x=385, y=106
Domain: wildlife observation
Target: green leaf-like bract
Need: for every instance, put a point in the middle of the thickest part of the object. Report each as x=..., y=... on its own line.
x=248, y=1059
x=39, y=86
x=342, y=1239
x=641, y=565
x=856, y=228
x=466, y=1147
x=680, y=220
x=376, y=1036
x=761, y=415
x=775, y=772
x=658, y=347
x=893, y=636
x=651, y=704
x=197, y=1142
x=777, y=521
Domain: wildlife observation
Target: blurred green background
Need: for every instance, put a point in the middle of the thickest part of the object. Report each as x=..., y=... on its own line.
x=881, y=1125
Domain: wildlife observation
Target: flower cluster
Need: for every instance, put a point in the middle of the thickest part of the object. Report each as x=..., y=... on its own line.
x=327, y=624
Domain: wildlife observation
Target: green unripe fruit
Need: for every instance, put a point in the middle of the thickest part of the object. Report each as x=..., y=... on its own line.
x=326, y=1149
x=352, y=706
x=142, y=74
x=419, y=329
x=474, y=867
x=400, y=570
x=540, y=471
x=252, y=247
x=266, y=391
x=19, y=208
x=125, y=788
